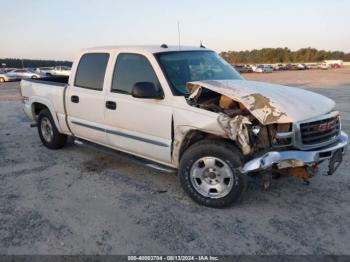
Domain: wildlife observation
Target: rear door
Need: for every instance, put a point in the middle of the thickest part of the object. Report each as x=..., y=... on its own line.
x=85, y=98
x=139, y=126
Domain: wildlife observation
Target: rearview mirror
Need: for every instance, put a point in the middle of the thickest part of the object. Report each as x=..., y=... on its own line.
x=146, y=90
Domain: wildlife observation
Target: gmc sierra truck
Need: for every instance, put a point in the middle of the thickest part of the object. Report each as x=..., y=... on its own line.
x=188, y=109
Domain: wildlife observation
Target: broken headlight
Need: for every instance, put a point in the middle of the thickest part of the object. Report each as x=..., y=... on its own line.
x=282, y=135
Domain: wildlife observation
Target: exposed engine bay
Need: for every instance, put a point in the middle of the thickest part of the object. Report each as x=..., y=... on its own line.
x=240, y=125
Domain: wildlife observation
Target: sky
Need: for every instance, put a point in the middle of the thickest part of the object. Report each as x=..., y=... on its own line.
x=58, y=29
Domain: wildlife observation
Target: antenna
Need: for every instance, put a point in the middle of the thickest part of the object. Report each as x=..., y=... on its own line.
x=178, y=31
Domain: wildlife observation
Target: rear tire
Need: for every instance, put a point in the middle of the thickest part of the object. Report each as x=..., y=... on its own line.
x=2, y=80
x=209, y=173
x=48, y=132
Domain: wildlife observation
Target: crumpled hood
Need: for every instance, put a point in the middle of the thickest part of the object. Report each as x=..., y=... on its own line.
x=271, y=103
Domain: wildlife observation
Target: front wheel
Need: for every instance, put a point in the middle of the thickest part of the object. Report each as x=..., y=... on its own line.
x=209, y=173
x=2, y=80
x=48, y=132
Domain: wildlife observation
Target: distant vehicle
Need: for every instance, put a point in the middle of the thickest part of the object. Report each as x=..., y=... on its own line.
x=243, y=68
x=300, y=67
x=24, y=73
x=45, y=70
x=323, y=66
x=335, y=66
x=333, y=62
x=61, y=71
x=312, y=66
x=7, y=70
x=264, y=69
x=279, y=67
x=292, y=67
x=5, y=77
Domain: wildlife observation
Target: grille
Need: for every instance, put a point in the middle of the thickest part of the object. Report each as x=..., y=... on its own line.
x=320, y=131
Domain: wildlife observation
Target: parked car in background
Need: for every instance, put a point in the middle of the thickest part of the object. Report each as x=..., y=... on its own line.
x=312, y=66
x=300, y=66
x=335, y=66
x=7, y=70
x=243, y=68
x=323, y=66
x=45, y=70
x=279, y=67
x=4, y=77
x=264, y=69
x=334, y=62
x=25, y=73
x=61, y=71
x=292, y=67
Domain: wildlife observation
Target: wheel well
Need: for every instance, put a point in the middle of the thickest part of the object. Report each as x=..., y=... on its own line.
x=194, y=136
x=37, y=108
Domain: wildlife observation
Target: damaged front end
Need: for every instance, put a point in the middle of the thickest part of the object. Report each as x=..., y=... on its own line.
x=269, y=137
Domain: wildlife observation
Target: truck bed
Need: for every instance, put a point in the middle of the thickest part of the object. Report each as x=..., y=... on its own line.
x=48, y=91
x=52, y=80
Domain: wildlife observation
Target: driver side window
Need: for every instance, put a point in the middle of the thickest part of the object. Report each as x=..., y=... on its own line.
x=131, y=69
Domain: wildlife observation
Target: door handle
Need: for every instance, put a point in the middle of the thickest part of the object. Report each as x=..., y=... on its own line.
x=111, y=105
x=74, y=99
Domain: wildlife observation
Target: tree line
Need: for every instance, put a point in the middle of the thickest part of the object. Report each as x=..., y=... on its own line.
x=282, y=55
x=19, y=63
x=255, y=56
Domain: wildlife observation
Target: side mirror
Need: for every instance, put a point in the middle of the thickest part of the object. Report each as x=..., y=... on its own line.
x=146, y=90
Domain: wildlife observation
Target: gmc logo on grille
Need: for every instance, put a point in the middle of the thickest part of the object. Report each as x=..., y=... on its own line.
x=325, y=127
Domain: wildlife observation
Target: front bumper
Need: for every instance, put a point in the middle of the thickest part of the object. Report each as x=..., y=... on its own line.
x=295, y=158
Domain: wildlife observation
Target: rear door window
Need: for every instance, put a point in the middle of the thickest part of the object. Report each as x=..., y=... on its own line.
x=91, y=71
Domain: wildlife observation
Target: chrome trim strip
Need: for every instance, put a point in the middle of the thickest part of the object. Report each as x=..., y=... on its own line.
x=118, y=133
x=284, y=135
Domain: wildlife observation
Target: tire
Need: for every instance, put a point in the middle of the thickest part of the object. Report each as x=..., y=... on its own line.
x=48, y=132
x=34, y=77
x=212, y=164
x=2, y=80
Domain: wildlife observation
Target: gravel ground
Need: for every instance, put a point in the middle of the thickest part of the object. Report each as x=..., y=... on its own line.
x=81, y=200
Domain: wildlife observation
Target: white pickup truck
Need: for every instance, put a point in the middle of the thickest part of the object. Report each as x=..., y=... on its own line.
x=190, y=110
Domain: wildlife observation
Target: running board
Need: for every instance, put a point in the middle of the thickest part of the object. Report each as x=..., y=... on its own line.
x=126, y=156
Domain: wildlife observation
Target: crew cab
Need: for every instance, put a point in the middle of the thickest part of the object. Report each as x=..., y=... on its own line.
x=186, y=108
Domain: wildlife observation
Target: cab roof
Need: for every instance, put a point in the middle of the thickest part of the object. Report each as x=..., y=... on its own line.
x=146, y=48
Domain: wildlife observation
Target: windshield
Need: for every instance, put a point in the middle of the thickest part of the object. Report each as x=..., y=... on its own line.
x=187, y=66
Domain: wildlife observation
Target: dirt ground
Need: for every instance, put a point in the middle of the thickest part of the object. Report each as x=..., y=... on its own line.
x=81, y=200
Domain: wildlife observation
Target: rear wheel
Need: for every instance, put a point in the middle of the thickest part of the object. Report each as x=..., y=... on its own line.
x=209, y=173
x=48, y=132
x=2, y=80
x=34, y=77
